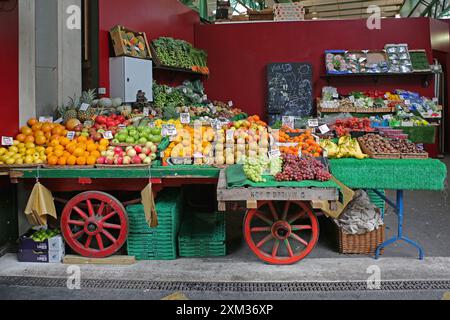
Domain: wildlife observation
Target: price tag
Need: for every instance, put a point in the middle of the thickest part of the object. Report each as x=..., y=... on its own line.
x=169, y=130
x=288, y=122
x=146, y=111
x=316, y=138
x=84, y=107
x=300, y=152
x=325, y=153
x=407, y=102
x=58, y=121
x=198, y=155
x=71, y=135
x=121, y=126
x=7, y=141
x=335, y=95
x=46, y=119
x=185, y=118
x=274, y=154
x=352, y=99
x=230, y=104
x=324, y=129
x=387, y=117
x=313, y=123
x=230, y=135
x=154, y=113
x=108, y=135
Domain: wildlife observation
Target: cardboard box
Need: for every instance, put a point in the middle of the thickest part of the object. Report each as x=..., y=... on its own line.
x=52, y=256
x=51, y=250
x=26, y=243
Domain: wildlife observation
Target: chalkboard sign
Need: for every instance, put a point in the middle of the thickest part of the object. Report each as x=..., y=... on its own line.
x=290, y=89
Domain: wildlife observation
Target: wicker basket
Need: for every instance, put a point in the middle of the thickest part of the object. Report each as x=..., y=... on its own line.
x=366, y=243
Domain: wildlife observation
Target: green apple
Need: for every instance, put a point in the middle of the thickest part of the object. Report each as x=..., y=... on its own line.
x=130, y=140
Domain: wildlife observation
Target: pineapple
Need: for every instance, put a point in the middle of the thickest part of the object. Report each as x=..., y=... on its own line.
x=86, y=97
x=69, y=110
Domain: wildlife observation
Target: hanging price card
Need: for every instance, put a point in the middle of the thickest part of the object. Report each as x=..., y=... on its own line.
x=185, y=118
x=108, y=135
x=230, y=104
x=146, y=112
x=84, y=107
x=7, y=141
x=274, y=153
x=324, y=129
x=71, y=135
x=169, y=130
x=46, y=119
x=313, y=123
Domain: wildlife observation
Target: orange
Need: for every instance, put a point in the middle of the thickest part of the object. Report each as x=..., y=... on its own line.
x=95, y=154
x=32, y=122
x=58, y=130
x=48, y=135
x=71, y=147
x=59, y=153
x=82, y=146
x=78, y=152
x=29, y=139
x=66, y=154
x=21, y=137
x=54, y=143
x=104, y=142
x=47, y=127
x=62, y=161
x=59, y=147
x=52, y=160
x=87, y=154
x=41, y=140
x=39, y=133
x=91, y=147
x=82, y=139
x=37, y=126
x=64, y=141
x=49, y=150
x=81, y=161
x=26, y=130
x=71, y=160
x=102, y=148
x=91, y=160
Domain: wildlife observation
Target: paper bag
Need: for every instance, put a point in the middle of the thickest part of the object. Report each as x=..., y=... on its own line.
x=148, y=200
x=40, y=205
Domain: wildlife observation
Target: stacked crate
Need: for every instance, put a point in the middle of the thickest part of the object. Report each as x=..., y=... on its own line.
x=158, y=243
x=203, y=235
x=377, y=200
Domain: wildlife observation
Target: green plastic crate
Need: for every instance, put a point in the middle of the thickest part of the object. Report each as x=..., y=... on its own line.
x=203, y=235
x=377, y=200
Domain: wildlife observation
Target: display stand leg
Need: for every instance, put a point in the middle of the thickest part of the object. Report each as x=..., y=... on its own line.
x=398, y=206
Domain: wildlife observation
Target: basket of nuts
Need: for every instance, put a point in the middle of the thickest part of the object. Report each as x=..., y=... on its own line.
x=378, y=147
x=408, y=150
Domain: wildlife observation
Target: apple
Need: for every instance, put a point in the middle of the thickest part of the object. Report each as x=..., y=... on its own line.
x=149, y=145
x=153, y=156
x=136, y=160
x=109, y=160
x=142, y=156
x=146, y=150
x=103, y=154
x=118, y=160
x=126, y=160
x=131, y=153
x=138, y=149
x=110, y=153
x=128, y=148
x=101, y=160
x=118, y=150
x=154, y=149
x=147, y=160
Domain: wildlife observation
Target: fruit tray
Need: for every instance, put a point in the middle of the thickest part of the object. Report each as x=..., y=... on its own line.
x=122, y=166
x=46, y=166
x=18, y=166
x=423, y=155
x=378, y=155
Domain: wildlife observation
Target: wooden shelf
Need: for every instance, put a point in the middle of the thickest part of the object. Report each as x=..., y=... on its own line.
x=425, y=76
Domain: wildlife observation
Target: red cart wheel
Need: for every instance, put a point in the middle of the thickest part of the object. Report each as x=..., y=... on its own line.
x=281, y=232
x=94, y=224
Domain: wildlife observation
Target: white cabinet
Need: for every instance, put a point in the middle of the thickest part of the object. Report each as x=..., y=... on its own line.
x=129, y=75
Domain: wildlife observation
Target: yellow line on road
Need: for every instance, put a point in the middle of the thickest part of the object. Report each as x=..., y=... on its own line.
x=176, y=296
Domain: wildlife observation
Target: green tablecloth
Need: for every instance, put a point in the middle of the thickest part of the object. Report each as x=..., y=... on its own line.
x=236, y=178
x=402, y=174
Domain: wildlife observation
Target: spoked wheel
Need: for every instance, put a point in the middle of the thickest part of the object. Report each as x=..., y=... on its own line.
x=94, y=224
x=281, y=232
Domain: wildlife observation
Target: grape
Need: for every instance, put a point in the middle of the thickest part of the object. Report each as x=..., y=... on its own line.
x=299, y=169
x=254, y=169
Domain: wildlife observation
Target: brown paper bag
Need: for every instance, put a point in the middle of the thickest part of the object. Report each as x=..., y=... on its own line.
x=148, y=200
x=40, y=205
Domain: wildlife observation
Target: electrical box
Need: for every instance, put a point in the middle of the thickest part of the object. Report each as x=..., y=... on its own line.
x=129, y=75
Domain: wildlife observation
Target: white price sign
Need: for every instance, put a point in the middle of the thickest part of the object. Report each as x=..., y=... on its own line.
x=335, y=95
x=185, y=118
x=313, y=123
x=230, y=104
x=71, y=135
x=274, y=154
x=387, y=117
x=352, y=99
x=212, y=108
x=407, y=102
x=324, y=129
x=121, y=126
x=46, y=119
x=146, y=112
x=7, y=141
x=108, y=135
x=169, y=130
x=288, y=122
x=84, y=107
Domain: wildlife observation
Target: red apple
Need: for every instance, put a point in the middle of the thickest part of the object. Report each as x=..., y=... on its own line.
x=146, y=150
x=118, y=160
x=138, y=149
x=100, y=119
x=110, y=160
x=131, y=153
x=142, y=156
x=126, y=160
x=118, y=150
x=136, y=160
x=101, y=160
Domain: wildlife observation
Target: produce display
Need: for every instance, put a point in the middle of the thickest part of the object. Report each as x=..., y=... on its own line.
x=42, y=235
x=180, y=54
x=291, y=142
x=398, y=58
x=346, y=126
x=299, y=169
x=140, y=134
x=254, y=168
x=346, y=147
x=376, y=144
x=129, y=155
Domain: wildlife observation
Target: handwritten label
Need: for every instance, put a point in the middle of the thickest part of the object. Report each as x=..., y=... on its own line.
x=274, y=154
x=324, y=129
x=121, y=126
x=230, y=135
x=288, y=122
x=71, y=135
x=108, y=135
x=146, y=111
x=313, y=123
x=84, y=107
x=7, y=141
x=46, y=119
x=169, y=130
x=185, y=118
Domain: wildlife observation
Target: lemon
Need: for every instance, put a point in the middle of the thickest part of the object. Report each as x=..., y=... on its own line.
x=10, y=161
x=29, y=159
x=21, y=145
x=17, y=156
x=2, y=151
x=40, y=149
x=19, y=161
x=22, y=150
x=29, y=145
x=36, y=156
x=38, y=161
x=43, y=158
x=29, y=152
x=16, y=142
x=14, y=149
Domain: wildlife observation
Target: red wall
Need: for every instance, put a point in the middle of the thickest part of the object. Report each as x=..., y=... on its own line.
x=155, y=17
x=239, y=53
x=9, y=72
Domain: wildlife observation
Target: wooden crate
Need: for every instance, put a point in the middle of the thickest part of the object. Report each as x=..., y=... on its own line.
x=378, y=155
x=266, y=14
x=253, y=195
x=423, y=155
x=123, y=46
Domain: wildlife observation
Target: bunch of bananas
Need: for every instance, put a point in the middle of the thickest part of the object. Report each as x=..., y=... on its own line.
x=346, y=148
